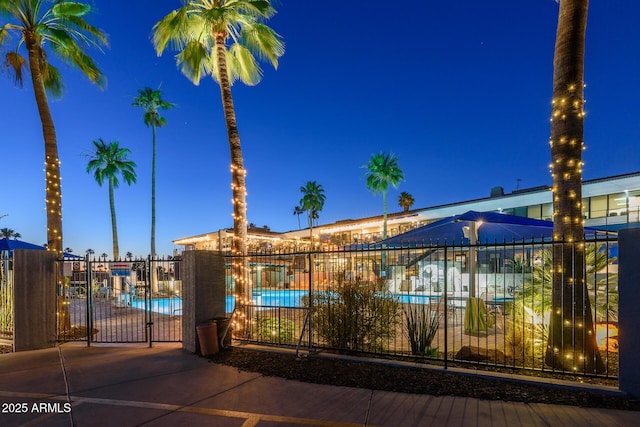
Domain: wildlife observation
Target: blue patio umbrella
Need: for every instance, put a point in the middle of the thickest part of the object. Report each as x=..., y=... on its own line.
x=490, y=227
x=9, y=245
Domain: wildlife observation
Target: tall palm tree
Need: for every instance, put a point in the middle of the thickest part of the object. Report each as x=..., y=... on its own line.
x=298, y=211
x=405, y=200
x=151, y=102
x=571, y=329
x=382, y=171
x=109, y=161
x=58, y=27
x=312, y=202
x=224, y=39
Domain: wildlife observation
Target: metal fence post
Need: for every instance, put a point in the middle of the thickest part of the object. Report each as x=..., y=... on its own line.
x=147, y=301
x=89, y=291
x=446, y=311
x=310, y=300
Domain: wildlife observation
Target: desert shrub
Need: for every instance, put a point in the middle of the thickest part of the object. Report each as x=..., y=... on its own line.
x=355, y=316
x=421, y=324
x=275, y=330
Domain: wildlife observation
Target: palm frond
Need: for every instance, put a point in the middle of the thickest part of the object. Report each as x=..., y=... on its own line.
x=243, y=65
x=264, y=42
x=16, y=64
x=192, y=61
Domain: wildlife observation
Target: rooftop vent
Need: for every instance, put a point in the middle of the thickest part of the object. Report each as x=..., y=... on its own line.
x=497, y=191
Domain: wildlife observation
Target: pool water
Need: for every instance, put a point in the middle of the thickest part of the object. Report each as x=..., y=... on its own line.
x=265, y=299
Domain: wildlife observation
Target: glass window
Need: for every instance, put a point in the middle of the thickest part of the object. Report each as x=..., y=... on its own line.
x=598, y=206
x=634, y=205
x=617, y=204
x=547, y=211
x=534, y=211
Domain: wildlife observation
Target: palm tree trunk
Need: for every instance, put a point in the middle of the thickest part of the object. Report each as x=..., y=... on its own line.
x=238, y=186
x=572, y=344
x=53, y=189
x=114, y=225
x=153, y=194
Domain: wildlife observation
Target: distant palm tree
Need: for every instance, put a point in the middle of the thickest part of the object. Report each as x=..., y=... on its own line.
x=151, y=102
x=312, y=202
x=382, y=171
x=104, y=256
x=8, y=233
x=61, y=27
x=107, y=163
x=224, y=38
x=89, y=251
x=129, y=256
x=405, y=200
x=298, y=211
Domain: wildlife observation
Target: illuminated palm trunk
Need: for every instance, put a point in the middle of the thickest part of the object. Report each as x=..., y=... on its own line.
x=238, y=186
x=53, y=190
x=572, y=344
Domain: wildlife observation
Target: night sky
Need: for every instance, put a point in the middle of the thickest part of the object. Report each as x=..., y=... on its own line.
x=459, y=90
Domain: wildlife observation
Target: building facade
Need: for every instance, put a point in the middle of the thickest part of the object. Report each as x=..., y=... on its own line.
x=608, y=203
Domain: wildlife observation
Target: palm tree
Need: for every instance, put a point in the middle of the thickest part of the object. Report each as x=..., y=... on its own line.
x=151, y=102
x=224, y=39
x=107, y=163
x=383, y=170
x=298, y=211
x=61, y=26
x=312, y=202
x=8, y=233
x=128, y=256
x=571, y=328
x=405, y=200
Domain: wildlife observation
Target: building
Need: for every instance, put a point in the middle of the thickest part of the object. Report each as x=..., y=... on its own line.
x=608, y=203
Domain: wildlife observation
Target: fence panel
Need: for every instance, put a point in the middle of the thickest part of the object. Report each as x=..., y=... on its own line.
x=476, y=303
x=122, y=301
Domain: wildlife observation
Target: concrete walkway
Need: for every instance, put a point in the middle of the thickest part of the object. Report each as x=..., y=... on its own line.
x=133, y=385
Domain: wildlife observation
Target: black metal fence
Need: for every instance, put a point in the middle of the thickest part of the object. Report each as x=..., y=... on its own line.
x=120, y=301
x=483, y=303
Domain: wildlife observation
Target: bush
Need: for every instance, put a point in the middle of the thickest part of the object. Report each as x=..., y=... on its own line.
x=420, y=326
x=355, y=316
x=274, y=330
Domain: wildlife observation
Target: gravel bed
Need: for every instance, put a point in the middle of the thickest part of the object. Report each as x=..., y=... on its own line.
x=411, y=379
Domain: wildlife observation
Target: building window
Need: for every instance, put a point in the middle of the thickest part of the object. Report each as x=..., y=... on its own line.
x=534, y=211
x=598, y=207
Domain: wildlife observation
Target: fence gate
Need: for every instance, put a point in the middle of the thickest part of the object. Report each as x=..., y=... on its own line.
x=121, y=301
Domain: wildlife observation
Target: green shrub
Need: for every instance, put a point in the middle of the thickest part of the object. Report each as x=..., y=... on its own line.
x=274, y=330
x=420, y=326
x=356, y=316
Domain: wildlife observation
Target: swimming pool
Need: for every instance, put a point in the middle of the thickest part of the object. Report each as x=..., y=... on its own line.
x=171, y=306
x=266, y=299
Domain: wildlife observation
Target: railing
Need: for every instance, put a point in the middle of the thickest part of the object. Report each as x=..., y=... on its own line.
x=470, y=304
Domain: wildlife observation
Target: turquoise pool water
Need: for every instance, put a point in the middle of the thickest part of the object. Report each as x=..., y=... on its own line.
x=266, y=299
x=171, y=306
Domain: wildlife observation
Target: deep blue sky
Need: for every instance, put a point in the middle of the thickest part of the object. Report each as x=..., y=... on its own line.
x=459, y=91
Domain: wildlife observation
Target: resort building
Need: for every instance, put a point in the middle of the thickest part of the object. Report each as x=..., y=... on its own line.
x=608, y=203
